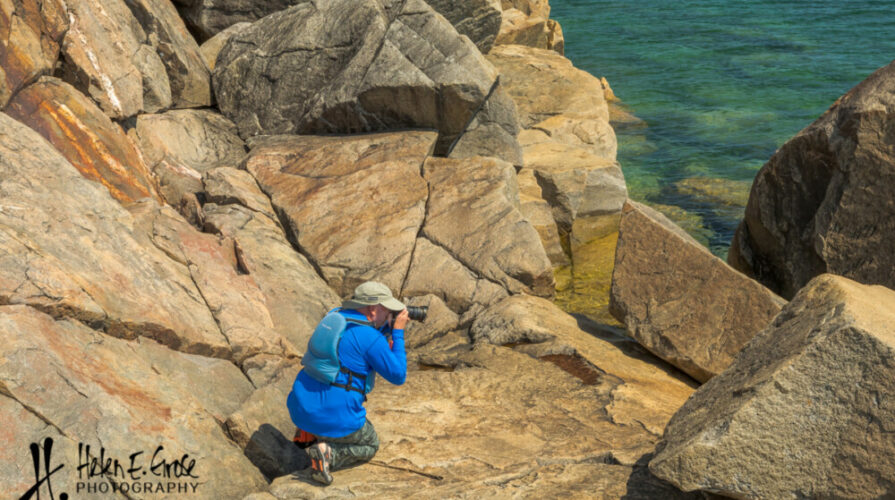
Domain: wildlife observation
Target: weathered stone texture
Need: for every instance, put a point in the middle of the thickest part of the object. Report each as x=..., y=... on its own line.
x=180, y=145
x=825, y=202
x=347, y=67
x=353, y=205
x=805, y=411
x=86, y=137
x=30, y=35
x=678, y=300
x=207, y=18
x=478, y=19
x=473, y=213
x=69, y=249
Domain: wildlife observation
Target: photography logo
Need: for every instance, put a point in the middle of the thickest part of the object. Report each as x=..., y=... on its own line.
x=102, y=474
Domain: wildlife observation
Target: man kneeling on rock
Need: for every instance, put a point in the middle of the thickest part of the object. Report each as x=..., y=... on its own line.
x=350, y=343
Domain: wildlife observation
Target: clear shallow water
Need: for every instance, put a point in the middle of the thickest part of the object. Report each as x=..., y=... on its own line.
x=721, y=85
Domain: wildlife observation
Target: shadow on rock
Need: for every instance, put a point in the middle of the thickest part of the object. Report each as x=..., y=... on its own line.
x=643, y=485
x=274, y=454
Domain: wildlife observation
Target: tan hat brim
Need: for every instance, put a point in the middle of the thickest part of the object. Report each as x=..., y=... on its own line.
x=390, y=303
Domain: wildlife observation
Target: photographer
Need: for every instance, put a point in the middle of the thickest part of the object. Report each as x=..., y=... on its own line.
x=364, y=336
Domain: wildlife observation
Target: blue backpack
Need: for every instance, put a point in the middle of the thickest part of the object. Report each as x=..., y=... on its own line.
x=321, y=361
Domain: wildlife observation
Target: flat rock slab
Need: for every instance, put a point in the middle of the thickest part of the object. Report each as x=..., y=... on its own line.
x=353, y=205
x=71, y=250
x=678, y=300
x=805, y=411
x=824, y=201
x=473, y=213
x=352, y=66
x=499, y=424
x=95, y=145
x=103, y=392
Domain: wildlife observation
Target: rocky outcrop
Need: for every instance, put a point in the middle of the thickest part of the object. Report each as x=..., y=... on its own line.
x=31, y=33
x=497, y=421
x=477, y=19
x=113, y=394
x=346, y=67
x=213, y=46
x=525, y=22
x=86, y=137
x=107, y=279
x=180, y=145
x=352, y=205
x=804, y=411
x=207, y=18
x=569, y=151
x=678, y=300
x=823, y=202
x=133, y=57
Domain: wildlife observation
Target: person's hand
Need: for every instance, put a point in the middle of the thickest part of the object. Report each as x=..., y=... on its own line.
x=401, y=320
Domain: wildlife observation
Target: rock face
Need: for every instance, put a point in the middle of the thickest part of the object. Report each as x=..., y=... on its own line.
x=108, y=279
x=87, y=138
x=133, y=57
x=824, y=201
x=110, y=393
x=478, y=19
x=31, y=32
x=347, y=66
x=678, y=300
x=806, y=409
x=473, y=213
x=352, y=205
x=207, y=18
x=180, y=145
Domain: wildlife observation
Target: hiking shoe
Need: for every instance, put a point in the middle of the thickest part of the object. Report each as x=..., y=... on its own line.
x=321, y=458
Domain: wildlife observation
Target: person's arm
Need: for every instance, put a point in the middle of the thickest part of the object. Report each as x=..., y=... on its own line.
x=390, y=363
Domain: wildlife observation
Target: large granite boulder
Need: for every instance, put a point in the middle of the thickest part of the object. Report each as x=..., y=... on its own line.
x=132, y=57
x=30, y=34
x=180, y=145
x=69, y=249
x=86, y=137
x=478, y=19
x=207, y=18
x=678, y=300
x=805, y=411
x=112, y=395
x=347, y=66
x=353, y=205
x=823, y=202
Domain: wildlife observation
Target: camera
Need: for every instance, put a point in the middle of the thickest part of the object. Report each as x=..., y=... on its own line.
x=418, y=313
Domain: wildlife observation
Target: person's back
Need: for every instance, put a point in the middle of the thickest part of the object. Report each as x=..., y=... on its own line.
x=331, y=416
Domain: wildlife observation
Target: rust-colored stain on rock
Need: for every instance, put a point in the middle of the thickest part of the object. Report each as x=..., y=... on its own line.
x=87, y=138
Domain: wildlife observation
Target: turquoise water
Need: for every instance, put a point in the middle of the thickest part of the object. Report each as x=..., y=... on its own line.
x=721, y=85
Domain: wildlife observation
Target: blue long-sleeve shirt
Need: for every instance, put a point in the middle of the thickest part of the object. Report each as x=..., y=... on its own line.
x=329, y=411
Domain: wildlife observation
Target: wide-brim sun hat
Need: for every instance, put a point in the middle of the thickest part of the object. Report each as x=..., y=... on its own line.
x=373, y=293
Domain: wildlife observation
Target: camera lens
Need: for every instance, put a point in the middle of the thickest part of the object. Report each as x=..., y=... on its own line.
x=418, y=313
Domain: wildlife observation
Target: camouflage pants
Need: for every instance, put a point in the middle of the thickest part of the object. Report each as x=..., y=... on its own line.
x=355, y=448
